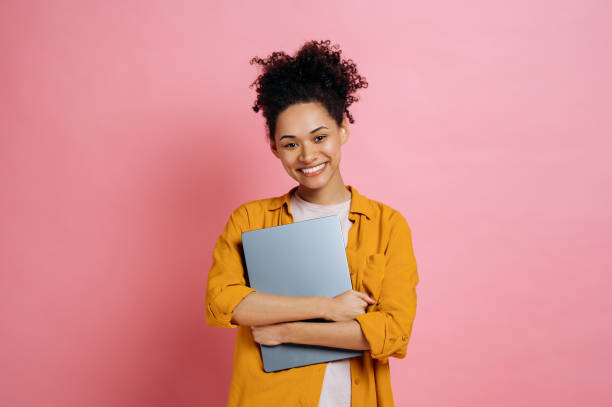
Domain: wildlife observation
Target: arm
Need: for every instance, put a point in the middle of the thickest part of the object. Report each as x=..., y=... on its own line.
x=345, y=334
x=264, y=309
x=230, y=302
x=388, y=325
x=226, y=285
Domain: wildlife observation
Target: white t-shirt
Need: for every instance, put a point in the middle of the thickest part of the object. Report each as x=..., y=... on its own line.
x=336, y=390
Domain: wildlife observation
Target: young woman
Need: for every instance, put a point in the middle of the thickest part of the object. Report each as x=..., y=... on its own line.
x=305, y=101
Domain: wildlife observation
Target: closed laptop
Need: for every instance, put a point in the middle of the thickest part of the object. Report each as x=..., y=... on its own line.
x=305, y=258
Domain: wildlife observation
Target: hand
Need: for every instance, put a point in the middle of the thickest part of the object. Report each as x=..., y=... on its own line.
x=346, y=306
x=269, y=334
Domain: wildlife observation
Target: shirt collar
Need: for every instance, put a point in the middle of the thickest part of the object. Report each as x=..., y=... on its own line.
x=359, y=203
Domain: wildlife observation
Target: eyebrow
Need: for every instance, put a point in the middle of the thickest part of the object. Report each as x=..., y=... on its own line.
x=312, y=131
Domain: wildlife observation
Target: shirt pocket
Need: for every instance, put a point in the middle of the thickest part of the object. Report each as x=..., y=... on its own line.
x=367, y=273
x=373, y=275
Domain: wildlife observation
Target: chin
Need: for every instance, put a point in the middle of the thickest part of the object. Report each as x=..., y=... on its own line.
x=315, y=184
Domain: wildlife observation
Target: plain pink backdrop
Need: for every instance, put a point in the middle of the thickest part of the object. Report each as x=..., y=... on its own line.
x=127, y=137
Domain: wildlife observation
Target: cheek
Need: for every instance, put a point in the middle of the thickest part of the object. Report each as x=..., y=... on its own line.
x=331, y=150
x=287, y=159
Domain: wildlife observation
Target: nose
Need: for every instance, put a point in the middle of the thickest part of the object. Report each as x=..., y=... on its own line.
x=308, y=153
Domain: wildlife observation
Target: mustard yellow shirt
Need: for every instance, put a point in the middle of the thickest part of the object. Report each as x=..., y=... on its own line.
x=381, y=264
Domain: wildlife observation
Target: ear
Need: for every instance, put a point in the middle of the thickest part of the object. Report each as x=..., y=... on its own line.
x=273, y=148
x=344, y=131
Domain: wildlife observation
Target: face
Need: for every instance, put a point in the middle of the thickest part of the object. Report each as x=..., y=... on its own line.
x=308, y=143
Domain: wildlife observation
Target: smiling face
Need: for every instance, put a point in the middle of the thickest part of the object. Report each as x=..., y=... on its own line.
x=308, y=143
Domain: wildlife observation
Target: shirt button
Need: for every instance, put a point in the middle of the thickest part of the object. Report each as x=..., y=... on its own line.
x=357, y=380
x=404, y=338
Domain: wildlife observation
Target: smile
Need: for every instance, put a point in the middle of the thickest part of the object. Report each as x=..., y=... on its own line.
x=313, y=170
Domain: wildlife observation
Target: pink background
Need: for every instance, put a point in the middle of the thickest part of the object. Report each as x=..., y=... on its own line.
x=127, y=137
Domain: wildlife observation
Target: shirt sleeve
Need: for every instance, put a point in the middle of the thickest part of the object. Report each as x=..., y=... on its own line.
x=226, y=282
x=387, y=327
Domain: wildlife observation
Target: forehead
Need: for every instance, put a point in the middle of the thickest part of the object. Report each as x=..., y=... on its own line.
x=301, y=118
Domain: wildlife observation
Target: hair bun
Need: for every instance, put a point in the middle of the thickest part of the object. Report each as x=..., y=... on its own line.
x=316, y=73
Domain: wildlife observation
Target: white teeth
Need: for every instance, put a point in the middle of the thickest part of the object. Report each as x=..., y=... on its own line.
x=313, y=169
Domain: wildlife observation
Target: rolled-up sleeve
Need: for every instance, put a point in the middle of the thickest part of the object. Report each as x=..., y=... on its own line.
x=226, y=285
x=388, y=325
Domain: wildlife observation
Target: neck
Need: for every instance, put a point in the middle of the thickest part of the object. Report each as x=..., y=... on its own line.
x=334, y=192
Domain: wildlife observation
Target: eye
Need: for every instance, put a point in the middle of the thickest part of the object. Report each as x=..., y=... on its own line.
x=320, y=136
x=289, y=145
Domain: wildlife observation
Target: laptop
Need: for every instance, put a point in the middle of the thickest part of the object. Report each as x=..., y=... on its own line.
x=305, y=258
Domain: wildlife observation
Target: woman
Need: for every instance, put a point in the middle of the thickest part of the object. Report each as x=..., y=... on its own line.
x=305, y=102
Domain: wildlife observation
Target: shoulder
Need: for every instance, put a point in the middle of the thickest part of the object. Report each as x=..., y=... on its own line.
x=388, y=226
x=383, y=213
x=251, y=212
x=261, y=205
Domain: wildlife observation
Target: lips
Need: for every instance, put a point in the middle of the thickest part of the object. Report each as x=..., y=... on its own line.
x=314, y=170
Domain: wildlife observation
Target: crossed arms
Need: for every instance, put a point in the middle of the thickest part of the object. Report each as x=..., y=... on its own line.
x=384, y=330
x=275, y=319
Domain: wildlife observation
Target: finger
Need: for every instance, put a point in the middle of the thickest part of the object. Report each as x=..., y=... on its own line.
x=367, y=298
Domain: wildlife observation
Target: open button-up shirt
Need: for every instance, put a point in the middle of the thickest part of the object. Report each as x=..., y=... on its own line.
x=382, y=265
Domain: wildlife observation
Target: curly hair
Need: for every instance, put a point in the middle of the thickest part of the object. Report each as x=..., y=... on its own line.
x=315, y=74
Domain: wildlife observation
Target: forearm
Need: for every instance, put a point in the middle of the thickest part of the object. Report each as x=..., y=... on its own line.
x=345, y=334
x=264, y=309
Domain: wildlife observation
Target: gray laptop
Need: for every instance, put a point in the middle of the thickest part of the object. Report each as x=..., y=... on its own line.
x=305, y=258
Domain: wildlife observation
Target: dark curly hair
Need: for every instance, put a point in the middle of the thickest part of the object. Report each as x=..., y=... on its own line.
x=315, y=74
